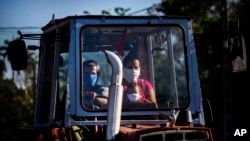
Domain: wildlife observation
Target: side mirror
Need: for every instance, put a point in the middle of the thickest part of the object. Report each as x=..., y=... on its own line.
x=238, y=53
x=17, y=55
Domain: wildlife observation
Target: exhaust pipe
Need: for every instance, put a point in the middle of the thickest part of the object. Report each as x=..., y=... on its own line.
x=115, y=97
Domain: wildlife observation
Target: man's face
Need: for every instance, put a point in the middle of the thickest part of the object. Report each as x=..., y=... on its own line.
x=91, y=68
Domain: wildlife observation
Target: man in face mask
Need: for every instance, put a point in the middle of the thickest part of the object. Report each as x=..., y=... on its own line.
x=94, y=95
x=91, y=72
x=135, y=89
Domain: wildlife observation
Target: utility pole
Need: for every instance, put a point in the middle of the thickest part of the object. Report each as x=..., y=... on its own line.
x=226, y=74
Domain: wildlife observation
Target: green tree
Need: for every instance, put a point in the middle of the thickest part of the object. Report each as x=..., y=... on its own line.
x=118, y=11
x=16, y=105
x=216, y=20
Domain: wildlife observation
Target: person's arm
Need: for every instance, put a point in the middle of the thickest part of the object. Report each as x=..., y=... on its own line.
x=102, y=100
x=102, y=96
x=151, y=91
x=151, y=95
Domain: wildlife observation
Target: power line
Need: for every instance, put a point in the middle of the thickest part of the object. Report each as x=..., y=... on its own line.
x=148, y=9
x=12, y=30
x=21, y=27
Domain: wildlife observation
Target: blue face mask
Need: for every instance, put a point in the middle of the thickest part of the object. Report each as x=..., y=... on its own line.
x=90, y=79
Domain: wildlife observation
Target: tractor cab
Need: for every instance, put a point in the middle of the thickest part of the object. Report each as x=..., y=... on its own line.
x=165, y=48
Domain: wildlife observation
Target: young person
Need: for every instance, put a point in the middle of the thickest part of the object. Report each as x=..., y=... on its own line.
x=136, y=89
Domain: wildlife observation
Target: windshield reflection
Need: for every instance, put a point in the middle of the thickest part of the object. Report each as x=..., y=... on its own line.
x=160, y=52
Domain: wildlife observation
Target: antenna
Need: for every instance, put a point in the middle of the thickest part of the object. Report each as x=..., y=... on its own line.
x=53, y=18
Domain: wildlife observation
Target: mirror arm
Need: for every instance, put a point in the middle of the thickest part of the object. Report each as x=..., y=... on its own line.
x=21, y=35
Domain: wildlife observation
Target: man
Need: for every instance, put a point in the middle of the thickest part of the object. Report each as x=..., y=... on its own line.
x=94, y=96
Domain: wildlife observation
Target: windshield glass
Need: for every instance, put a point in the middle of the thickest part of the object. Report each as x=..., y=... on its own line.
x=154, y=71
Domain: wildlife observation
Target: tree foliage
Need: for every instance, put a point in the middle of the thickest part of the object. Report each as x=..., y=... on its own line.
x=16, y=109
x=217, y=21
x=17, y=105
x=208, y=19
x=117, y=10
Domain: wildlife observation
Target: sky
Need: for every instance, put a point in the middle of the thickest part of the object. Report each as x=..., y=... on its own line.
x=19, y=14
x=37, y=13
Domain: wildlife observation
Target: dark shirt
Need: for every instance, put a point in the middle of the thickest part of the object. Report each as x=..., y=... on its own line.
x=92, y=103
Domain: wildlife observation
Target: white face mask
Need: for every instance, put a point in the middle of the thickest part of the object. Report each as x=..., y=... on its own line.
x=133, y=97
x=130, y=74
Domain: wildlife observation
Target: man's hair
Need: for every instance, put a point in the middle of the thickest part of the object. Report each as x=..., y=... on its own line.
x=90, y=63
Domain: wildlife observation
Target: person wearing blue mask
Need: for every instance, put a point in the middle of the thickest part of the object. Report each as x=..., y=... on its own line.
x=94, y=96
